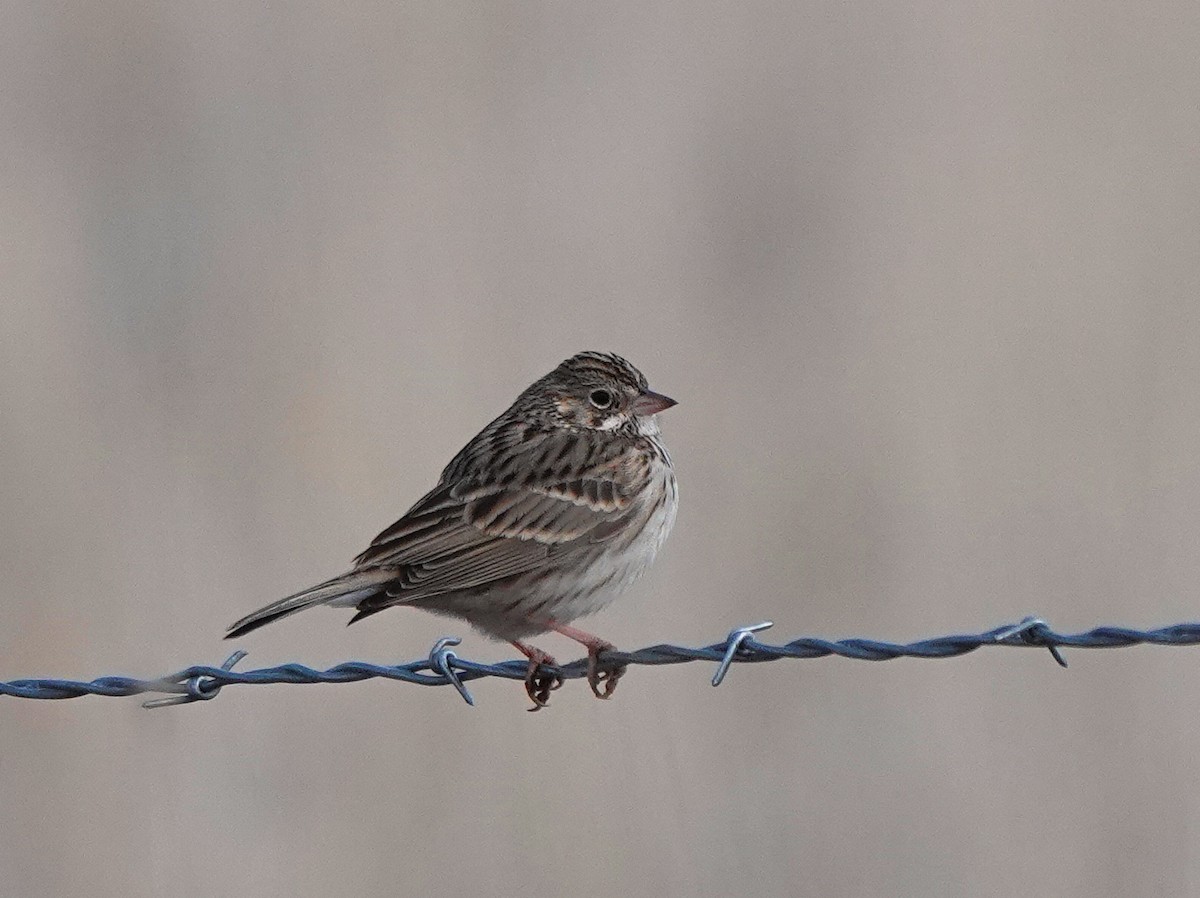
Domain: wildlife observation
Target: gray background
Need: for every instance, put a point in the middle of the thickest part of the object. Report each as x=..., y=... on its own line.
x=924, y=278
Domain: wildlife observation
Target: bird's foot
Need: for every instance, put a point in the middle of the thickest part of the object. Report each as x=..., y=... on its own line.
x=538, y=683
x=606, y=676
x=597, y=676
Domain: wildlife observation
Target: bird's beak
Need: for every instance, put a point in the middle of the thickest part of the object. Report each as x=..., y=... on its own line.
x=651, y=403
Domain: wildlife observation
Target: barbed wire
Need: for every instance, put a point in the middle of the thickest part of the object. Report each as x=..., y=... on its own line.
x=444, y=668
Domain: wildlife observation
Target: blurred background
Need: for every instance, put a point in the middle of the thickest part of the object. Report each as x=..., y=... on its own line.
x=923, y=277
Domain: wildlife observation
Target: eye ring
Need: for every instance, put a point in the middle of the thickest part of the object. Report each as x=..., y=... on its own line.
x=601, y=399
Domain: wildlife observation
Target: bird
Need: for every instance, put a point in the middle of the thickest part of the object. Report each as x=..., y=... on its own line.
x=545, y=516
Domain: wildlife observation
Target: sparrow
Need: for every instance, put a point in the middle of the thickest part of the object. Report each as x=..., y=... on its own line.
x=545, y=516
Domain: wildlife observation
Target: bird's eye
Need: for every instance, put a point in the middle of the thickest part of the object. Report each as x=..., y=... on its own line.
x=602, y=399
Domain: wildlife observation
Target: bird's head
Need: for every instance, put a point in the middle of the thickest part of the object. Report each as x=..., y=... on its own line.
x=597, y=391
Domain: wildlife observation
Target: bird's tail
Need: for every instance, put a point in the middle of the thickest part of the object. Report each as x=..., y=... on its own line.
x=348, y=589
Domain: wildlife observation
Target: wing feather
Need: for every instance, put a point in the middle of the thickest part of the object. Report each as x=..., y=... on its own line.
x=485, y=526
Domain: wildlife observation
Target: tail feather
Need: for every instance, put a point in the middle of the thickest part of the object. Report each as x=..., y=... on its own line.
x=347, y=589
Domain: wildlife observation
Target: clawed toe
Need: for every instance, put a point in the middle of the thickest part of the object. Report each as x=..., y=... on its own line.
x=607, y=677
x=596, y=677
x=539, y=683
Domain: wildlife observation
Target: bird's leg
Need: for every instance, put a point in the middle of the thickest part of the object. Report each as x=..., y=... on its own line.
x=595, y=645
x=538, y=686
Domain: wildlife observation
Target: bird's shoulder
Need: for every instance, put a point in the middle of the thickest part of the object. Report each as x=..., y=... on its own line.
x=586, y=467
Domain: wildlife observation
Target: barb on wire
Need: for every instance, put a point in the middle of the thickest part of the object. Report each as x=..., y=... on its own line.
x=195, y=688
x=444, y=668
x=733, y=644
x=442, y=660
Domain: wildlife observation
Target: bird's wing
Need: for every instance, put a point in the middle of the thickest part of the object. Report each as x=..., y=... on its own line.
x=508, y=516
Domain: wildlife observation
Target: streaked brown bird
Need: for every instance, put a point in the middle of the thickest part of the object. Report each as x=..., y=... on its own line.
x=548, y=514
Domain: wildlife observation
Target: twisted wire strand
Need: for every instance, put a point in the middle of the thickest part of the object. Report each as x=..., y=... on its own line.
x=442, y=667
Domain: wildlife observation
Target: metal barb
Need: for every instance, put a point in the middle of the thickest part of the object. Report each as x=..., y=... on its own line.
x=733, y=642
x=197, y=690
x=442, y=660
x=1026, y=632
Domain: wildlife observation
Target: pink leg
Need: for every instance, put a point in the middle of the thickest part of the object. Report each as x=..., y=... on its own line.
x=595, y=645
x=538, y=686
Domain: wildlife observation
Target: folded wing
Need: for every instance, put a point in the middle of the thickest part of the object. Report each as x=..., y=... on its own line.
x=473, y=531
